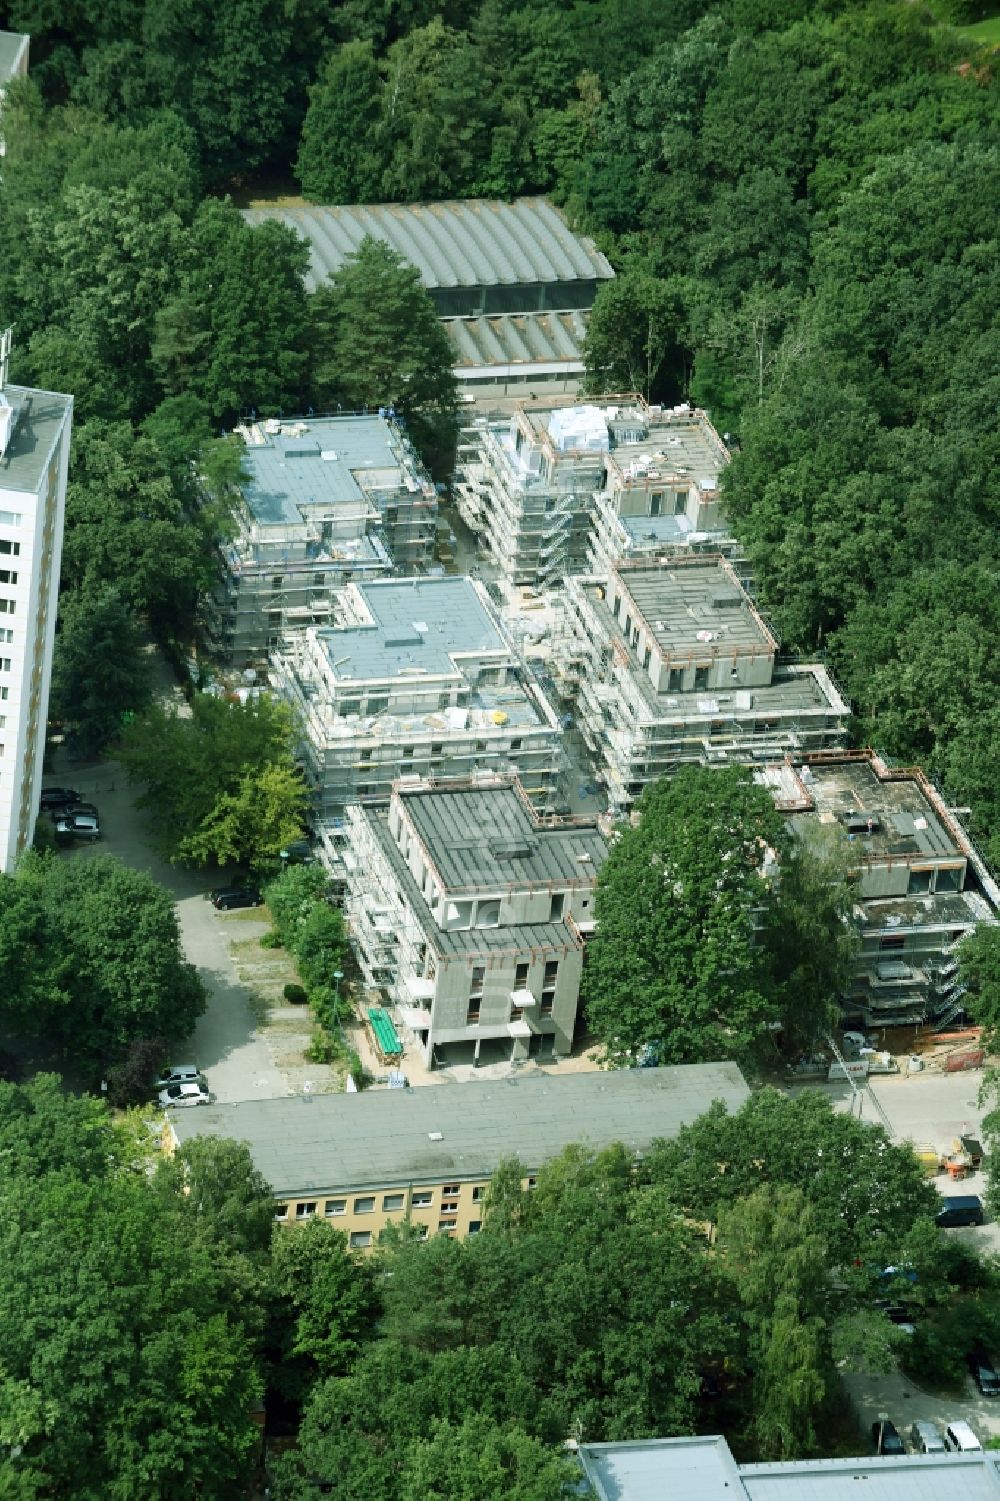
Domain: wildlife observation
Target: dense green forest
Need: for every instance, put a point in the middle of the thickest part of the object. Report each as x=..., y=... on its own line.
x=798, y=196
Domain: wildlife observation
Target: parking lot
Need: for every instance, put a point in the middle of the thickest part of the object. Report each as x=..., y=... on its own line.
x=933, y=1108
x=227, y=1044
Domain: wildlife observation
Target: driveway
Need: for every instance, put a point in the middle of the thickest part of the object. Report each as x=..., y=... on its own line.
x=871, y=1395
x=236, y=1061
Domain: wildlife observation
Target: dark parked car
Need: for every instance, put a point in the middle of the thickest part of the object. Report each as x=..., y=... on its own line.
x=58, y=797
x=72, y=809
x=984, y=1372
x=225, y=898
x=886, y=1439
x=960, y=1209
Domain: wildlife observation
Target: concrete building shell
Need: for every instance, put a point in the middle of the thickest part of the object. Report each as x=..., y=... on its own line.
x=557, y=487
x=417, y=677
x=672, y=665
x=324, y=502
x=471, y=911
x=923, y=885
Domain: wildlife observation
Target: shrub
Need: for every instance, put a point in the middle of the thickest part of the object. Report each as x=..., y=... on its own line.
x=291, y=897
x=320, y=944
x=295, y=995
x=356, y=1069
x=323, y=1048
x=271, y=941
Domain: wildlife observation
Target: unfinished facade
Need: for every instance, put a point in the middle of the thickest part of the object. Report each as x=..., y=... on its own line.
x=470, y=910
x=417, y=677
x=923, y=884
x=556, y=488
x=323, y=503
x=673, y=665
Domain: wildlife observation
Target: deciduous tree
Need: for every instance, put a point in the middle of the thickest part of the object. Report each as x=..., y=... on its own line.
x=200, y=771
x=379, y=343
x=100, y=671
x=675, y=965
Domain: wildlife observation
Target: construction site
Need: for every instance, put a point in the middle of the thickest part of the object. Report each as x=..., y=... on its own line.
x=557, y=487
x=922, y=884
x=321, y=503
x=671, y=664
x=415, y=677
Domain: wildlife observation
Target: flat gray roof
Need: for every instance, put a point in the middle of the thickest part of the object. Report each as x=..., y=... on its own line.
x=288, y=475
x=327, y=1143
x=904, y=820
x=12, y=44
x=419, y=623
x=703, y=1469
x=698, y=609
x=681, y=1469
x=43, y=415
x=541, y=938
x=474, y=242
x=518, y=339
x=915, y=1477
x=487, y=838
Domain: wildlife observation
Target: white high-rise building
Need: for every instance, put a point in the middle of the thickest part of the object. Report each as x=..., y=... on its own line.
x=34, y=458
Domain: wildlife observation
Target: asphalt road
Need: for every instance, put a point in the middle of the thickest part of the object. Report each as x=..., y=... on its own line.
x=235, y=1060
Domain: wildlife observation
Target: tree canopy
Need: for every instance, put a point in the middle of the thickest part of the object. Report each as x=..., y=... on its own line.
x=379, y=343
x=91, y=959
x=219, y=779
x=716, y=931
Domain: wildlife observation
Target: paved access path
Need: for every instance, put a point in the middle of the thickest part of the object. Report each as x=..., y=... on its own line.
x=226, y=1044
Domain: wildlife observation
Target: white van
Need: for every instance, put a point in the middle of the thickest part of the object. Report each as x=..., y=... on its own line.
x=926, y=1439
x=960, y=1438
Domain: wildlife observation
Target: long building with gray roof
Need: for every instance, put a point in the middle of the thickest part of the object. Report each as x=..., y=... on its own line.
x=474, y=255
x=427, y=1154
x=512, y=281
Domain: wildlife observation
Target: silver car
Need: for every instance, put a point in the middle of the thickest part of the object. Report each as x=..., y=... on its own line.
x=180, y=1096
x=178, y=1073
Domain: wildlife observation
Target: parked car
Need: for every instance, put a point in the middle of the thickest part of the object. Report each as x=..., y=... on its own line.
x=983, y=1369
x=960, y=1438
x=225, y=898
x=180, y=1096
x=960, y=1209
x=72, y=809
x=886, y=1439
x=178, y=1073
x=58, y=797
x=79, y=826
x=926, y=1439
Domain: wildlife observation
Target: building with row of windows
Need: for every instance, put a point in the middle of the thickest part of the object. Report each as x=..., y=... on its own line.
x=35, y=431
x=417, y=677
x=322, y=503
x=470, y=910
x=556, y=488
x=427, y=1155
x=671, y=664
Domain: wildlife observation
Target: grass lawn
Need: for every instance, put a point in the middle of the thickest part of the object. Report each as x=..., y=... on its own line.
x=983, y=31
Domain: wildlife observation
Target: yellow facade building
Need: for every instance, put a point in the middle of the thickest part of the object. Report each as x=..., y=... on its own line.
x=427, y=1155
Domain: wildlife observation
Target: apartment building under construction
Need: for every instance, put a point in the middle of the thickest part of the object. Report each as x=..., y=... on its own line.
x=470, y=911
x=322, y=503
x=922, y=884
x=672, y=664
x=415, y=677
x=557, y=487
